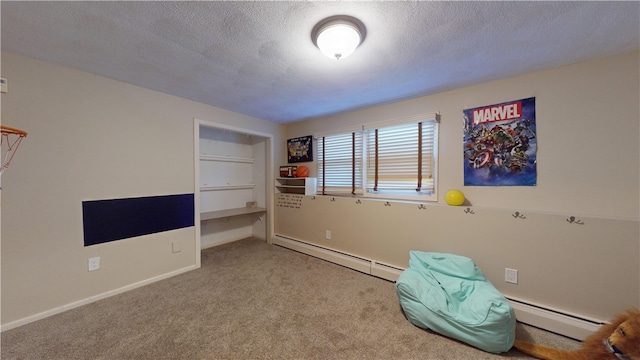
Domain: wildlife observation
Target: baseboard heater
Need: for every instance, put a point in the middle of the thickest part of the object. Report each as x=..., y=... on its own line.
x=367, y=266
x=560, y=322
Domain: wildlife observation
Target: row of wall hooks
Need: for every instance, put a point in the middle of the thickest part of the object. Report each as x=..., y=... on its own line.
x=468, y=210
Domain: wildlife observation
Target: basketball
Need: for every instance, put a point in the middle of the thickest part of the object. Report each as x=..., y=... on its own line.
x=302, y=171
x=454, y=197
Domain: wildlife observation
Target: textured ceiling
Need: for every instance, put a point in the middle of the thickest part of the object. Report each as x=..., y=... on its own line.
x=257, y=58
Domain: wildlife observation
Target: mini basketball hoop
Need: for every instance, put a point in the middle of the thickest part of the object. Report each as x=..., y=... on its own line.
x=10, y=141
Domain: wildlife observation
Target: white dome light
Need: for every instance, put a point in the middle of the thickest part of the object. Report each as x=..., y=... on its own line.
x=338, y=36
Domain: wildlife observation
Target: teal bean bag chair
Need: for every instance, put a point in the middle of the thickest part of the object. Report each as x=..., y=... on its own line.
x=450, y=295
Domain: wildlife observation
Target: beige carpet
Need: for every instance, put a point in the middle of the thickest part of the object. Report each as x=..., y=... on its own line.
x=250, y=300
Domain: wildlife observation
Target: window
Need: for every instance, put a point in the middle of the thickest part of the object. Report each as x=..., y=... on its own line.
x=340, y=168
x=396, y=160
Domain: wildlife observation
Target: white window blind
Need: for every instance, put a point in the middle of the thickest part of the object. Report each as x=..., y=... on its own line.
x=401, y=158
x=394, y=159
x=340, y=163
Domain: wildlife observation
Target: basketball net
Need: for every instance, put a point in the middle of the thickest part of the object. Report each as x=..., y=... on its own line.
x=10, y=141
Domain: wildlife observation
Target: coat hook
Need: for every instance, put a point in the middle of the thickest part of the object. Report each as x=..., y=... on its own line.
x=333, y=199
x=469, y=211
x=313, y=197
x=573, y=220
x=422, y=207
x=358, y=201
x=517, y=215
x=387, y=204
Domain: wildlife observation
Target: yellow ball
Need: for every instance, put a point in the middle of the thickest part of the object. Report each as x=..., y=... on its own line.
x=454, y=197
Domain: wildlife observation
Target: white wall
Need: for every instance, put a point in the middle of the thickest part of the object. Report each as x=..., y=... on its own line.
x=587, y=128
x=588, y=133
x=91, y=138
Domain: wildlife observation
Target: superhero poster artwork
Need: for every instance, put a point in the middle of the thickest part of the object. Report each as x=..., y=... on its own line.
x=500, y=144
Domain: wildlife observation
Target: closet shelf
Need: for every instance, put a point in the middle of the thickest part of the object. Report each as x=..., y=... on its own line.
x=205, y=157
x=226, y=187
x=209, y=215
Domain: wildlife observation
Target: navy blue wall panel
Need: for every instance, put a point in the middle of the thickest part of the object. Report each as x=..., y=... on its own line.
x=115, y=219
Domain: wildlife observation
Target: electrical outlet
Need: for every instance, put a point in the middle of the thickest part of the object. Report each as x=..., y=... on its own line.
x=511, y=275
x=327, y=235
x=94, y=263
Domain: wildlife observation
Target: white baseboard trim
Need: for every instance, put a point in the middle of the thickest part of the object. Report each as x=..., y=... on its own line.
x=104, y=295
x=218, y=242
x=575, y=326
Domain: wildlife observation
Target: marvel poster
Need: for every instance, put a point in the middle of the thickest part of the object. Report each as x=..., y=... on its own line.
x=500, y=144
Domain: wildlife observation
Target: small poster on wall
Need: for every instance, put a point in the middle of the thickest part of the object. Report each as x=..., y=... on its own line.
x=300, y=149
x=500, y=144
x=290, y=201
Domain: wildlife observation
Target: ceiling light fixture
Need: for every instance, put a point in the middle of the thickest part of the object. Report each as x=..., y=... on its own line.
x=338, y=36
